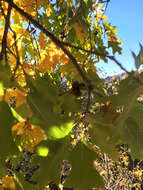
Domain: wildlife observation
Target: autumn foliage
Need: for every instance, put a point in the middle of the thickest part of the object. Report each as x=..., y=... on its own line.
x=59, y=122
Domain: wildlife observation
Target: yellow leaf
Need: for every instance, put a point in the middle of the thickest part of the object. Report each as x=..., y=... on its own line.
x=80, y=31
x=20, y=31
x=12, y=61
x=35, y=136
x=21, y=79
x=1, y=98
x=19, y=128
x=30, y=6
x=43, y=66
x=30, y=135
x=5, y=7
x=49, y=10
x=53, y=57
x=15, y=96
x=8, y=182
x=104, y=17
x=18, y=74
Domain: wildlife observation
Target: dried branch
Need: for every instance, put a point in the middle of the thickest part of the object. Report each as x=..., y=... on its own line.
x=4, y=43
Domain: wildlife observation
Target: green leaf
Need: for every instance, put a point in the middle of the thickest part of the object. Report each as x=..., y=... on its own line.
x=57, y=132
x=7, y=120
x=115, y=47
x=98, y=85
x=132, y=130
x=23, y=110
x=128, y=125
x=139, y=58
x=42, y=98
x=5, y=76
x=129, y=91
x=101, y=133
x=50, y=109
x=82, y=176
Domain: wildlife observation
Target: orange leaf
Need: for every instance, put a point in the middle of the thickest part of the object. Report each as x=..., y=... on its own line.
x=42, y=41
x=29, y=69
x=19, y=128
x=8, y=182
x=109, y=113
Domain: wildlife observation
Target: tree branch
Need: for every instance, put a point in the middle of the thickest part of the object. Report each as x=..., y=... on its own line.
x=85, y=50
x=63, y=44
x=52, y=37
x=4, y=43
x=136, y=78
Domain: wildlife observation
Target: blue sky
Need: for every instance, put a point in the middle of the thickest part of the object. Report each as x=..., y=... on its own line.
x=127, y=16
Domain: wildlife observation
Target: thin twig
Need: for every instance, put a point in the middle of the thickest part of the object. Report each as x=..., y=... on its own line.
x=107, y=3
x=18, y=63
x=17, y=53
x=136, y=78
x=10, y=51
x=85, y=50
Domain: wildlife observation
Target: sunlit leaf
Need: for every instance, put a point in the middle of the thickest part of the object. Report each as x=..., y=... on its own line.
x=29, y=135
x=59, y=151
x=53, y=57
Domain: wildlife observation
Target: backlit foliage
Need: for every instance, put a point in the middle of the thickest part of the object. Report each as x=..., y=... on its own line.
x=29, y=135
x=54, y=104
x=51, y=58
